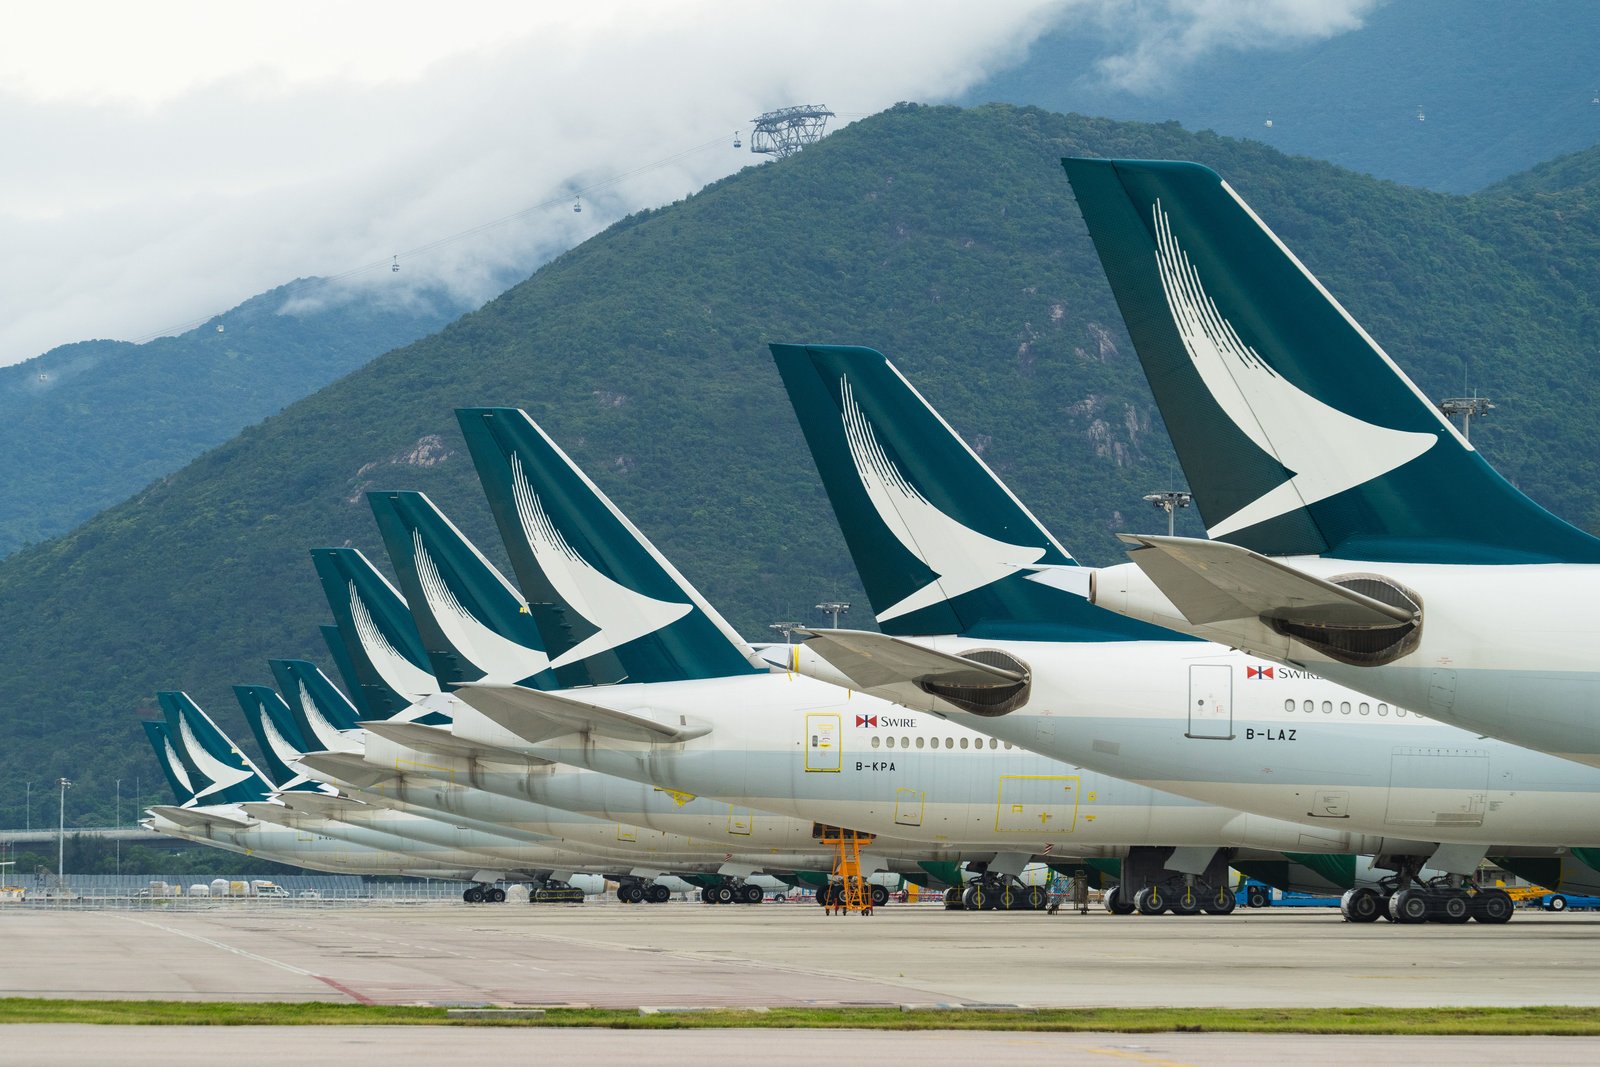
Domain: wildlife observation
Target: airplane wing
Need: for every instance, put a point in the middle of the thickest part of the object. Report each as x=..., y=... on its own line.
x=872, y=661
x=443, y=742
x=346, y=767
x=197, y=818
x=536, y=715
x=1211, y=581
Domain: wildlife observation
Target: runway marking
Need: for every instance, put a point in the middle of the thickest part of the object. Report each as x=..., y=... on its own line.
x=1128, y=1054
x=269, y=961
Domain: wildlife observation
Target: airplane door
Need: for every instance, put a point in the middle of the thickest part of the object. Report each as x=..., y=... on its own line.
x=1037, y=803
x=1210, y=701
x=823, y=742
x=908, y=807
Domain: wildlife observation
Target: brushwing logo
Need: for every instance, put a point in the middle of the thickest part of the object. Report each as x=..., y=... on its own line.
x=179, y=771
x=1327, y=450
x=222, y=775
x=397, y=672
x=327, y=734
x=1257, y=672
x=619, y=614
x=962, y=558
x=867, y=720
x=500, y=660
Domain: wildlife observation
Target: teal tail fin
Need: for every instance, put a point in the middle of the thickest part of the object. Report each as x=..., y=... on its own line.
x=339, y=652
x=177, y=774
x=601, y=593
x=276, y=735
x=474, y=625
x=210, y=754
x=319, y=711
x=388, y=665
x=1297, y=432
x=943, y=547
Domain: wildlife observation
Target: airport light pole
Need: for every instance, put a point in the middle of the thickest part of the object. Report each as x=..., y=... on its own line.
x=787, y=629
x=1466, y=407
x=834, y=608
x=61, y=834
x=27, y=805
x=1169, y=502
x=119, y=828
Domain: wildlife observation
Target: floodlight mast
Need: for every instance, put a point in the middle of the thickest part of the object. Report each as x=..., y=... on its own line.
x=784, y=132
x=1466, y=407
x=1169, y=502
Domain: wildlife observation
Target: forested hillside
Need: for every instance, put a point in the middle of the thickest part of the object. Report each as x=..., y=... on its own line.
x=86, y=425
x=946, y=238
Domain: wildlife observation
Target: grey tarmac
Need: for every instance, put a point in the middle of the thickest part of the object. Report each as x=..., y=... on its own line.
x=619, y=956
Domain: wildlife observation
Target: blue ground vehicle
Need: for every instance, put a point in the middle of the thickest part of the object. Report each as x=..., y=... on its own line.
x=1254, y=894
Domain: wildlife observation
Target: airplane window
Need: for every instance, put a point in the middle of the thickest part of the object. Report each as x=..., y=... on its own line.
x=1309, y=707
x=1383, y=709
x=963, y=742
x=1401, y=712
x=876, y=741
x=1344, y=707
x=888, y=742
x=905, y=742
x=1288, y=705
x=1365, y=708
x=1327, y=707
x=950, y=742
x=994, y=742
x=919, y=742
x=1008, y=744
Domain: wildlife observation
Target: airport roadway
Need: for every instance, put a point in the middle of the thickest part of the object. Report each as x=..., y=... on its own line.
x=688, y=955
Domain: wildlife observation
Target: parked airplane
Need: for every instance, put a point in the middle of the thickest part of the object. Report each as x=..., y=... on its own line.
x=777, y=742
x=1356, y=532
x=1024, y=659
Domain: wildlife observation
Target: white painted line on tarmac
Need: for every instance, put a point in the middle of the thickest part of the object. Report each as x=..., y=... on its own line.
x=224, y=947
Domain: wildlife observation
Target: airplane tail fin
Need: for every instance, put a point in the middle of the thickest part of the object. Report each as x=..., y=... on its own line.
x=941, y=544
x=276, y=735
x=1297, y=432
x=604, y=598
x=378, y=636
x=230, y=776
x=320, y=712
x=474, y=625
x=160, y=738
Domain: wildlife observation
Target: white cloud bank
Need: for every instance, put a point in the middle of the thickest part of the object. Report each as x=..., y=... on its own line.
x=164, y=162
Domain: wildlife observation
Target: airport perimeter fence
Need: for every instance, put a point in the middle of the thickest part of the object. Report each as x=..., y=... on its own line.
x=177, y=892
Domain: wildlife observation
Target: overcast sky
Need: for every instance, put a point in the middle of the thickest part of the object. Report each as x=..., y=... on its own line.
x=165, y=161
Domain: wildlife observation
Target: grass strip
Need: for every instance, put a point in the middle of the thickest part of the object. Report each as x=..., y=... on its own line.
x=1551, y=1020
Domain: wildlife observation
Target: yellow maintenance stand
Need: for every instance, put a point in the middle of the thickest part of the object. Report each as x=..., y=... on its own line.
x=850, y=885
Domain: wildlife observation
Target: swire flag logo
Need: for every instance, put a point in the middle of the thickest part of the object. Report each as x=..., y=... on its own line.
x=867, y=720
x=1257, y=672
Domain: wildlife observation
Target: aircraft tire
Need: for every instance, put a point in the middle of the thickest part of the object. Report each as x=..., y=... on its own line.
x=1361, y=905
x=1112, y=899
x=723, y=894
x=708, y=897
x=750, y=894
x=1220, y=902
x=880, y=896
x=1150, y=901
x=656, y=894
x=1035, y=897
x=1409, y=906
x=494, y=895
x=1493, y=906
x=1456, y=908
x=473, y=895
x=952, y=899
x=1185, y=902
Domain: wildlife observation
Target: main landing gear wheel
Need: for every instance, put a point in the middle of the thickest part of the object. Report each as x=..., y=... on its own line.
x=750, y=894
x=631, y=893
x=1035, y=898
x=494, y=895
x=1150, y=901
x=952, y=899
x=880, y=896
x=1408, y=906
x=1492, y=906
x=977, y=897
x=723, y=894
x=1361, y=905
x=1185, y=902
x=1454, y=909
x=1112, y=899
x=657, y=894
x=1220, y=902
x=473, y=894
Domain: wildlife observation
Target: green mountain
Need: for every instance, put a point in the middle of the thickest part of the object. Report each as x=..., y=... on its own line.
x=1499, y=87
x=88, y=424
x=946, y=238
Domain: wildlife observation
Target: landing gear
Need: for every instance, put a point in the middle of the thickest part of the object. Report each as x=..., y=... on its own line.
x=1405, y=898
x=630, y=893
x=554, y=893
x=880, y=896
x=473, y=895
x=1362, y=905
x=952, y=899
x=1221, y=901
x=657, y=894
x=1114, y=902
x=737, y=893
x=749, y=893
x=998, y=893
x=1150, y=901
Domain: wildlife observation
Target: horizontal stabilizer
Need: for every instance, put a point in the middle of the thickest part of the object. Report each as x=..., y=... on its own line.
x=201, y=818
x=872, y=660
x=345, y=767
x=268, y=812
x=442, y=742
x=323, y=806
x=536, y=715
x=1211, y=581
